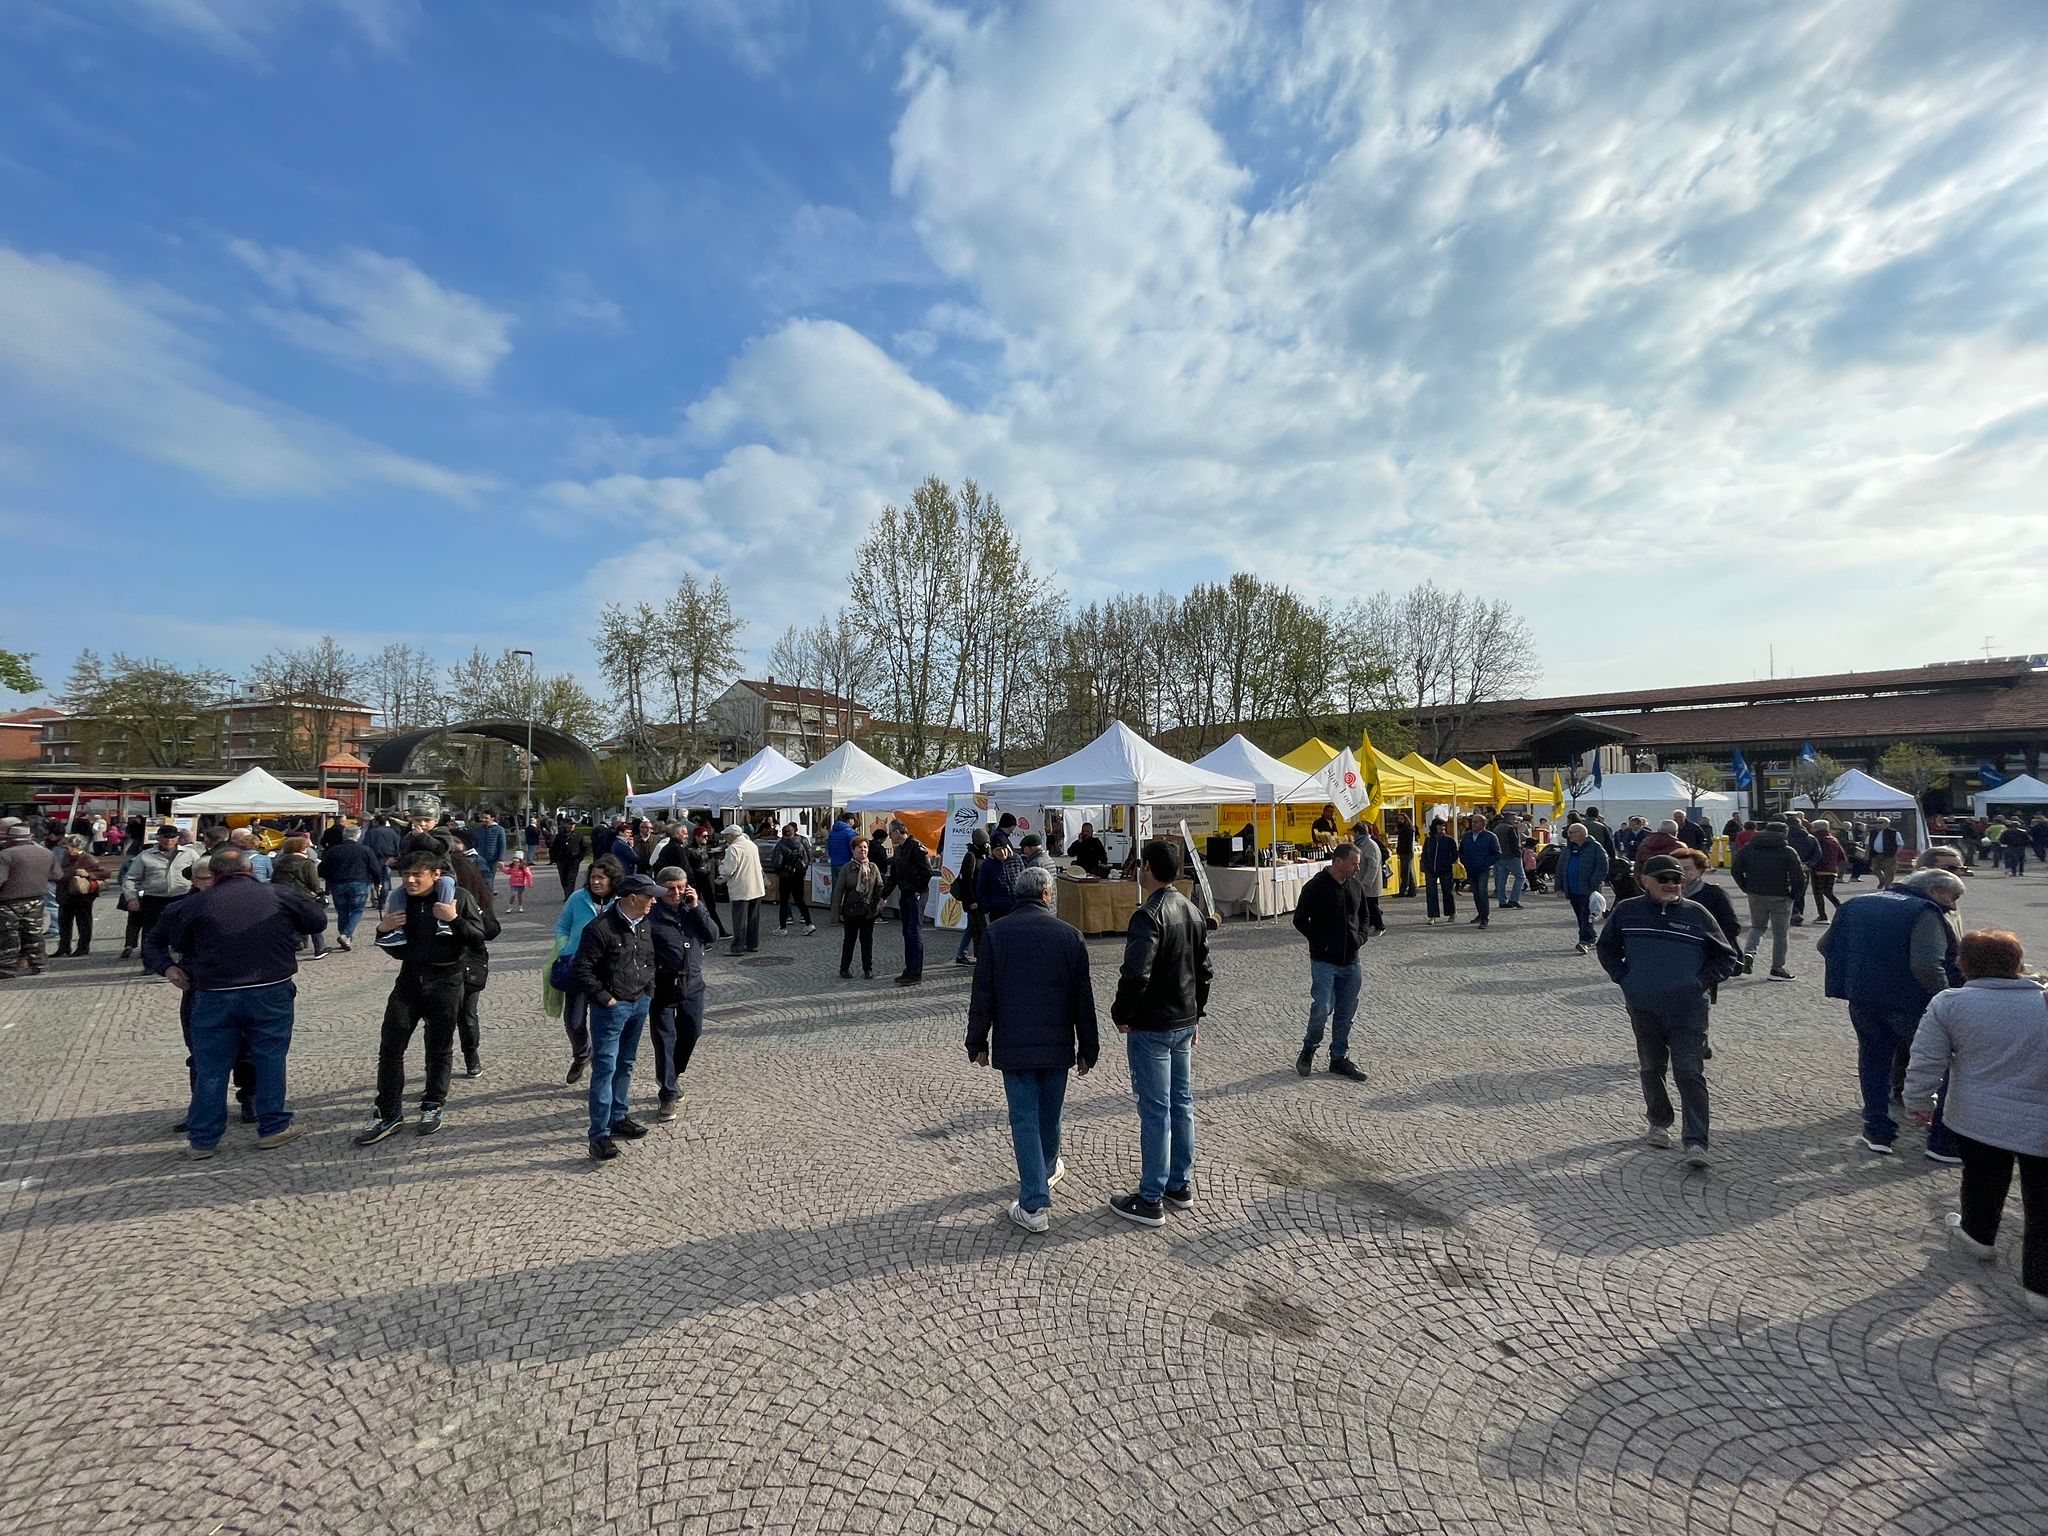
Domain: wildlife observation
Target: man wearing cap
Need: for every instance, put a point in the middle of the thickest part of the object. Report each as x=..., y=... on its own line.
x=745, y=887
x=682, y=932
x=1667, y=954
x=24, y=882
x=155, y=878
x=616, y=968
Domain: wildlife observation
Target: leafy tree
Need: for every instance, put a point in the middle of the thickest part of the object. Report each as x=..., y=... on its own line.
x=1914, y=767
x=606, y=784
x=557, y=782
x=16, y=676
x=141, y=712
x=1816, y=779
x=1699, y=775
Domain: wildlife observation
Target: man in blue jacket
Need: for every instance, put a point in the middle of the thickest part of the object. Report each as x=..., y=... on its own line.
x=1581, y=871
x=1031, y=1015
x=488, y=839
x=237, y=947
x=1667, y=953
x=1478, y=851
x=839, y=841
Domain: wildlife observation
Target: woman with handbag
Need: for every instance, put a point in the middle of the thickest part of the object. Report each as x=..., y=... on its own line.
x=559, y=994
x=78, y=887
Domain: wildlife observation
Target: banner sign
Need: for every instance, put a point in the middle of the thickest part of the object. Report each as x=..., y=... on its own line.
x=1201, y=870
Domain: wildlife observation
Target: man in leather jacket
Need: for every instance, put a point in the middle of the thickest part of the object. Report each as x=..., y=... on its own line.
x=1161, y=994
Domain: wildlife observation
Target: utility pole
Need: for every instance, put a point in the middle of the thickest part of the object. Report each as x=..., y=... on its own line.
x=531, y=689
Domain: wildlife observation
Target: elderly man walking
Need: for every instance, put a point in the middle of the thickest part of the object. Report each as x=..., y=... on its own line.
x=1885, y=844
x=1581, y=872
x=155, y=878
x=237, y=945
x=1889, y=954
x=1031, y=1015
x=24, y=919
x=1161, y=993
x=745, y=887
x=1330, y=914
x=682, y=932
x=1770, y=875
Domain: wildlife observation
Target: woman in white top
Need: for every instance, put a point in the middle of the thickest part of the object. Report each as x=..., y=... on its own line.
x=1990, y=1036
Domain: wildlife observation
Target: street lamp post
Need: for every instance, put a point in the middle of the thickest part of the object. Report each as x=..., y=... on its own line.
x=531, y=680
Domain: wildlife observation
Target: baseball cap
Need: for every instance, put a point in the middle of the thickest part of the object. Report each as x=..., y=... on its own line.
x=1662, y=864
x=638, y=885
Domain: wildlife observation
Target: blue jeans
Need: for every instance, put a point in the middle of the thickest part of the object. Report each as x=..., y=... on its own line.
x=911, y=910
x=1507, y=880
x=1881, y=1035
x=614, y=1046
x=1582, y=910
x=350, y=898
x=255, y=1022
x=1332, y=989
x=1035, y=1102
x=1161, y=1060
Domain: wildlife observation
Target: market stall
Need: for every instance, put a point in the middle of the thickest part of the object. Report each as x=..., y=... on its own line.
x=2022, y=792
x=722, y=791
x=1654, y=796
x=845, y=773
x=255, y=793
x=678, y=797
x=1858, y=794
x=930, y=793
x=1257, y=889
x=1118, y=768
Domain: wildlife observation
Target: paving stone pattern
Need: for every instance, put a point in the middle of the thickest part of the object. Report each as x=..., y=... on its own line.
x=1461, y=1298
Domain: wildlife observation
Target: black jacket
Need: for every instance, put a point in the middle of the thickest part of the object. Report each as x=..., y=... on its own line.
x=1328, y=916
x=241, y=933
x=1090, y=854
x=1031, y=992
x=432, y=954
x=381, y=841
x=681, y=935
x=1664, y=956
x=1767, y=865
x=1164, y=982
x=352, y=862
x=703, y=865
x=615, y=960
x=910, y=869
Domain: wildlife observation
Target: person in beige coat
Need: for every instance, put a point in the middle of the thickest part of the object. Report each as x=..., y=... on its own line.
x=744, y=886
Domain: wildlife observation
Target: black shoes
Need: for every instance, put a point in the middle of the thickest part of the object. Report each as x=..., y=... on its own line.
x=430, y=1119
x=1347, y=1068
x=908, y=980
x=603, y=1150
x=1146, y=1213
x=1181, y=1199
x=628, y=1129
x=576, y=1069
x=378, y=1130
x=128, y=952
x=473, y=1067
x=845, y=974
x=1305, y=1063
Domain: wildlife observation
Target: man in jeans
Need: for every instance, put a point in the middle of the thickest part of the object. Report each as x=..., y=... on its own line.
x=1769, y=873
x=1581, y=872
x=1667, y=954
x=237, y=947
x=616, y=969
x=682, y=930
x=1888, y=953
x=1161, y=994
x=1329, y=915
x=1508, y=877
x=350, y=872
x=910, y=872
x=1031, y=1015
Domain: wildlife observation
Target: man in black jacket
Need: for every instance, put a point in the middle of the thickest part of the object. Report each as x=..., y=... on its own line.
x=1161, y=994
x=1032, y=1016
x=682, y=931
x=1769, y=873
x=616, y=970
x=237, y=948
x=1329, y=915
x=354, y=876
x=565, y=852
x=1667, y=954
x=702, y=863
x=910, y=872
x=428, y=989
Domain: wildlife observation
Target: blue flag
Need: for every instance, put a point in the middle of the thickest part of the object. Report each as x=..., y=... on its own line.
x=1807, y=754
x=1596, y=769
x=1989, y=776
x=1743, y=777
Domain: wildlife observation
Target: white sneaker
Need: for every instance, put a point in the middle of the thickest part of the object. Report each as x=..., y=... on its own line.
x=1059, y=1171
x=1660, y=1136
x=1030, y=1221
x=1966, y=1245
x=1697, y=1156
x=809, y=929
x=1881, y=1148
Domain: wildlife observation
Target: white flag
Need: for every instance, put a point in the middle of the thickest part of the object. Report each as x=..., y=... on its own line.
x=1345, y=786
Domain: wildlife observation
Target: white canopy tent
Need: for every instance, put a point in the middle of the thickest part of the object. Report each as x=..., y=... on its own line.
x=255, y=793
x=1277, y=783
x=2024, y=790
x=835, y=778
x=1120, y=767
x=675, y=797
x=722, y=792
x=1654, y=796
x=1856, y=790
x=931, y=793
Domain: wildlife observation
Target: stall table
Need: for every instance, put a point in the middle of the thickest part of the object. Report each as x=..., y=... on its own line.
x=1102, y=906
x=1269, y=891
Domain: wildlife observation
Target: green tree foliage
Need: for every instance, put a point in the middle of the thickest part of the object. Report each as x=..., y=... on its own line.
x=1914, y=767
x=1816, y=779
x=16, y=675
x=1699, y=775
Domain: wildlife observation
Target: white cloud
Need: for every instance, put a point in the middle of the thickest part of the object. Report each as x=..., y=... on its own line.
x=380, y=312
x=757, y=34
x=579, y=305
x=237, y=26
x=82, y=355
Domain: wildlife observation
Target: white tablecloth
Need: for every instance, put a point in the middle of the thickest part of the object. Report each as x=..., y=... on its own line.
x=1265, y=892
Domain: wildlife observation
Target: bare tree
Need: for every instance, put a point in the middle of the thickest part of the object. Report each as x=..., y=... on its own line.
x=1914, y=767
x=403, y=685
x=1451, y=653
x=139, y=711
x=314, y=687
x=1699, y=776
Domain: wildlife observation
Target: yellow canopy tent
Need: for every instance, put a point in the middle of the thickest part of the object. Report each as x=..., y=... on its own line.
x=1432, y=781
x=1520, y=791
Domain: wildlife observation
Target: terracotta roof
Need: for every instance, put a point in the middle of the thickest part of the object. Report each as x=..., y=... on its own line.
x=34, y=715
x=790, y=693
x=1944, y=674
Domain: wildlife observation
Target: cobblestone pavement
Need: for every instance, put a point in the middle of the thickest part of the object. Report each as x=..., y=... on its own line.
x=1461, y=1298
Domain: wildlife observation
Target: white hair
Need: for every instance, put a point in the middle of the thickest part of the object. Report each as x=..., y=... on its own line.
x=1928, y=882
x=1667, y=826
x=1034, y=884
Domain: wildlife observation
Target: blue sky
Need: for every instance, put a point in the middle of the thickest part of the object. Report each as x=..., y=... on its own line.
x=448, y=322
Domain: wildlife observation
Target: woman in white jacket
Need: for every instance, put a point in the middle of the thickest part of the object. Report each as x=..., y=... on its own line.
x=1990, y=1036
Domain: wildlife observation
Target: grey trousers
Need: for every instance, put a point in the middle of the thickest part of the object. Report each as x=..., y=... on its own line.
x=1774, y=912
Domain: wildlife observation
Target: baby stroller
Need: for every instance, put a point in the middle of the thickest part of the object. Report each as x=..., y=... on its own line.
x=1622, y=875
x=1543, y=876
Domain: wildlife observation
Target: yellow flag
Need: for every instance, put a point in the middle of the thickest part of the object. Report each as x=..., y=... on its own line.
x=1369, y=769
x=1500, y=785
x=1556, y=794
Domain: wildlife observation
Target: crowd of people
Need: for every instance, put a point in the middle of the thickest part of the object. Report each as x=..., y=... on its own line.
x=1951, y=1033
